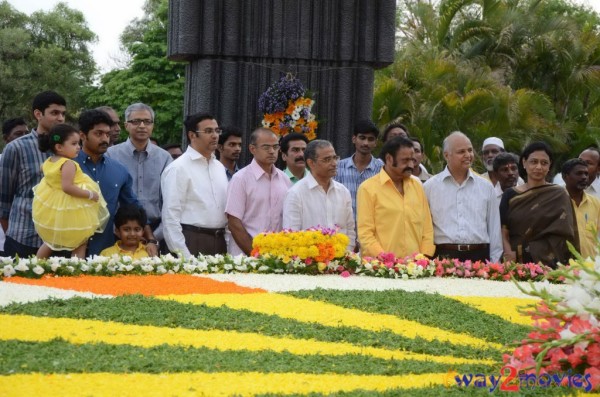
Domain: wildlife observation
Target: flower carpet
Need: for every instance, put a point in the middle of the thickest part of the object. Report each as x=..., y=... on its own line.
x=259, y=335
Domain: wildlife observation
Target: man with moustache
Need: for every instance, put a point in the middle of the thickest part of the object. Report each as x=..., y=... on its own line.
x=292, y=152
x=230, y=147
x=393, y=214
x=256, y=193
x=195, y=192
x=591, y=156
x=145, y=162
x=20, y=171
x=506, y=169
x=113, y=178
x=587, y=207
x=464, y=209
x=354, y=170
x=318, y=200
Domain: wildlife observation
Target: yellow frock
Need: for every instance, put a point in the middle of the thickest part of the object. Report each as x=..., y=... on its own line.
x=64, y=222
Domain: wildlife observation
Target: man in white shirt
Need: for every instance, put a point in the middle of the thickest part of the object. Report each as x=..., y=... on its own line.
x=194, y=193
x=464, y=210
x=317, y=199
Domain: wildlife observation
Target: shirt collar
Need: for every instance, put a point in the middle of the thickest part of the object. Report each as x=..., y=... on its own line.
x=446, y=174
x=196, y=155
x=138, y=249
x=257, y=170
x=133, y=149
x=84, y=157
x=372, y=163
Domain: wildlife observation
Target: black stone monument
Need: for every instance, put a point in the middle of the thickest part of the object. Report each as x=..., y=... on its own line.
x=235, y=49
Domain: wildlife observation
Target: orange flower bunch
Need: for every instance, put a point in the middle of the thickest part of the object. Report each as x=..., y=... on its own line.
x=287, y=108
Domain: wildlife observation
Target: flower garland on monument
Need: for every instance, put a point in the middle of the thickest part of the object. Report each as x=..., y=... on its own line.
x=287, y=107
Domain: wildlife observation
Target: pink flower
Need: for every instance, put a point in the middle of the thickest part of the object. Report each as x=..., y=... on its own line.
x=345, y=274
x=594, y=378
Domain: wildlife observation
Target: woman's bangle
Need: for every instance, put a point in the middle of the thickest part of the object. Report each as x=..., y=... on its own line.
x=90, y=195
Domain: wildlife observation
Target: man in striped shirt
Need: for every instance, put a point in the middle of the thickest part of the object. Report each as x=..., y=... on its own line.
x=354, y=170
x=20, y=171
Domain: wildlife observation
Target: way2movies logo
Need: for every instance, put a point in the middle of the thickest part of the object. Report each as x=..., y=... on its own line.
x=510, y=380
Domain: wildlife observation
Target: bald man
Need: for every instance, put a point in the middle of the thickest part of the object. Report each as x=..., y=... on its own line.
x=464, y=209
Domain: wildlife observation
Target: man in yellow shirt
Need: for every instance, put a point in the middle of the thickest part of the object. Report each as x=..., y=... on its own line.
x=393, y=213
x=587, y=207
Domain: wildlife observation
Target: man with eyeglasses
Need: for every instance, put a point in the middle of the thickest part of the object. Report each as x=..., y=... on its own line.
x=393, y=213
x=195, y=191
x=317, y=199
x=362, y=165
x=20, y=171
x=292, y=152
x=255, y=194
x=145, y=162
x=113, y=178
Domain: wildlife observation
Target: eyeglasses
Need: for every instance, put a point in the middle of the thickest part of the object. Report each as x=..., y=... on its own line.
x=266, y=148
x=140, y=121
x=329, y=159
x=209, y=131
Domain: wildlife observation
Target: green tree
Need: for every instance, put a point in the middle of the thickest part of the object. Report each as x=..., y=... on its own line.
x=47, y=50
x=149, y=77
x=519, y=70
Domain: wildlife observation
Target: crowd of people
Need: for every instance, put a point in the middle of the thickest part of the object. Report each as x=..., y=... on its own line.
x=78, y=191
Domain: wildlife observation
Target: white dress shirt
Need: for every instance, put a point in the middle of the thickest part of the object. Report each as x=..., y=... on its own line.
x=464, y=214
x=194, y=193
x=308, y=205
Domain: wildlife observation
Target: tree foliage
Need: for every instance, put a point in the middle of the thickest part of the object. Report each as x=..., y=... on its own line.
x=47, y=50
x=518, y=70
x=149, y=77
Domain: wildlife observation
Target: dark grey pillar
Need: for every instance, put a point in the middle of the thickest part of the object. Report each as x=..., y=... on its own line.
x=235, y=49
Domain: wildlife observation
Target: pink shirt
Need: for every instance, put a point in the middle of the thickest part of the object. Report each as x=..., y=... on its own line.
x=256, y=200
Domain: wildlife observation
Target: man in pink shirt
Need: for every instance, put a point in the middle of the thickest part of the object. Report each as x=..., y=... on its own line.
x=256, y=193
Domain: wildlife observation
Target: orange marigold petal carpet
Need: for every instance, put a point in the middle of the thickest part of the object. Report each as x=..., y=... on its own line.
x=151, y=285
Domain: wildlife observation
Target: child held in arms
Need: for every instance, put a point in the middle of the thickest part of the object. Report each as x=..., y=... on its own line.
x=68, y=206
x=129, y=227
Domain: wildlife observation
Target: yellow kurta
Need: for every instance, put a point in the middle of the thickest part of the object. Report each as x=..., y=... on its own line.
x=391, y=222
x=588, y=224
x=139, y=253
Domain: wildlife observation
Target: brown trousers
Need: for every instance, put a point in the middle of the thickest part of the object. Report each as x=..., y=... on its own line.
x=205, y=244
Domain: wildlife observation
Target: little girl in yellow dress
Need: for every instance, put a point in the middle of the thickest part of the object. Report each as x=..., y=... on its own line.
x=68, y=207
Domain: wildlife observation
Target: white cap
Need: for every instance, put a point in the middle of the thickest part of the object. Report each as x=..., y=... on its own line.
x=493, y=141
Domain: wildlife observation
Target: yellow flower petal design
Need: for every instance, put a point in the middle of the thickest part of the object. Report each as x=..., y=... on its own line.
x=330, y=315
x=31, y=328
x=505, y=308
x=197, y=383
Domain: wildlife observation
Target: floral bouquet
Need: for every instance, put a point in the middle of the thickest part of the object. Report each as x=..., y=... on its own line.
x=566, y=335
x=388, y=265
x=314, y=247
x=491, y=271
x=286, y=107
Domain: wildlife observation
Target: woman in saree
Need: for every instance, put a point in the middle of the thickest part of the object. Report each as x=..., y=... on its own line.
x=537, y=217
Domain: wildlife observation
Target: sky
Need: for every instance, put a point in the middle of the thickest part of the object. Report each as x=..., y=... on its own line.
x=108, y=18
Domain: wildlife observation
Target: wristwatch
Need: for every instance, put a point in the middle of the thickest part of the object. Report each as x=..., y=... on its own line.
x=155, y=242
